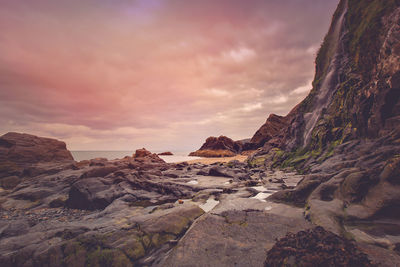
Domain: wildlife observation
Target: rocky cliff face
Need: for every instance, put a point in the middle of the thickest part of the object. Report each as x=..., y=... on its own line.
x=356, y=87
x=345, y=135
x=268, y=131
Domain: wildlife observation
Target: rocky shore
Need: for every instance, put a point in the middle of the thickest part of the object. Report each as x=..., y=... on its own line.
x=137, y=210
x=141, y=211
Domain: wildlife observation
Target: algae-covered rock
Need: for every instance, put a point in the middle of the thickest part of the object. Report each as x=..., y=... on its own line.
x=9, y=182
x=315, y=247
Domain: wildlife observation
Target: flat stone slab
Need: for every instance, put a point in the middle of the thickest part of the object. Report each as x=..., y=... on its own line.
x=232, y=234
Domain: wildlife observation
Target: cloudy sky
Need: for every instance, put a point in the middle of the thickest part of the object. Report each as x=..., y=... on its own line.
x=160, y=74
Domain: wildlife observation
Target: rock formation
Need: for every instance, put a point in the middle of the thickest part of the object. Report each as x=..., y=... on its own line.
x=144, y=155
x=218, y=147
x=124, y=212
x=267, y=131
x=25, y=154
x=26, y=149
x=355, y=91
x=345, y=134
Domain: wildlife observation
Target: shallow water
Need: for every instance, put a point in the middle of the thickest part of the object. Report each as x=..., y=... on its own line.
x=209, y=205
x=376, y=228
x=260, y=188
x=111, y=155
x=262, y=196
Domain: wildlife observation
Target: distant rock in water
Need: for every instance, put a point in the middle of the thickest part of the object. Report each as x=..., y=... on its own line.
x=24, y=149
x=145, y=155
x=165, y=154
x=219, y=147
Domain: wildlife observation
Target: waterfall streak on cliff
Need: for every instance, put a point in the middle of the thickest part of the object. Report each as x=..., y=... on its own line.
x=330, y=82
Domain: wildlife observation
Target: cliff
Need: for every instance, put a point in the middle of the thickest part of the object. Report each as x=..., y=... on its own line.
x=345, y=135
x=356, y=87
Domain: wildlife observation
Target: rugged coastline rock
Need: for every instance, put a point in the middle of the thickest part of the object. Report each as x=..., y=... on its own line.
x=356, y=87
x=267, y=131
x=23, y=149
x=133, y=211
x=344, y=137
x=221, y=146
x=26, y=155
x=145, y=155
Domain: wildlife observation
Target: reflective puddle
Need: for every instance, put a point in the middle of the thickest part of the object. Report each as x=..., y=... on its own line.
x=209, y=205
x=262, y=196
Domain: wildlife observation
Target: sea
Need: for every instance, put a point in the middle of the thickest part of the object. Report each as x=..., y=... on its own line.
x=110, y=155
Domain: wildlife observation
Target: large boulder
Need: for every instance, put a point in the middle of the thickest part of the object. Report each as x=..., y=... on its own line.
x=29, y=149
x=143, y=155
x=93, y=193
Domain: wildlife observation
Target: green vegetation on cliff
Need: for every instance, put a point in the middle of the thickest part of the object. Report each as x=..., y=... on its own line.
x=364, y=25
x=347, y=115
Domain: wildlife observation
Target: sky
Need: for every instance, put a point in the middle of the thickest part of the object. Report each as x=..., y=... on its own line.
x=160, y=74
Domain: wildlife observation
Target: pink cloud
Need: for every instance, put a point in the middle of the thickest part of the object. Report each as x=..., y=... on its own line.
x=143, y=71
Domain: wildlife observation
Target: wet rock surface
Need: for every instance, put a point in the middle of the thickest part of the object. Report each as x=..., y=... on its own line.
x=354, y=194
x=237, y=232
x=130, y=211
x=141, y=210
x=138, y=210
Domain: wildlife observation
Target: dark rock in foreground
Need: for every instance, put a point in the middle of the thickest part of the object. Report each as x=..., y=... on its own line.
x=29, y=155
x=315, y=247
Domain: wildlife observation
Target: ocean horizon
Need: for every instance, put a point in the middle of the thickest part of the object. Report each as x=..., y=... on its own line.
x=80, y=155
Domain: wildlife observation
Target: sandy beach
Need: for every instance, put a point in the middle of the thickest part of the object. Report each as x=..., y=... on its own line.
x=240, y=158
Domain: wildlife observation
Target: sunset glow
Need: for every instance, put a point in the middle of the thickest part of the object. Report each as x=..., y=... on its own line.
x=160, y=74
